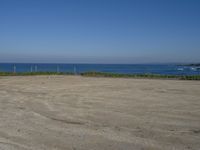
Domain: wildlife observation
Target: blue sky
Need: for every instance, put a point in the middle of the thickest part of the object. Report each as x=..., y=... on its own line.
x=100, y=31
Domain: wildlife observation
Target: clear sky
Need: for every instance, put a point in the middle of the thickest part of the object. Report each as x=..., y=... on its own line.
x=100, y=31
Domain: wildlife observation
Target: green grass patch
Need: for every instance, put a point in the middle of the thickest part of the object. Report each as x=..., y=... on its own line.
x=103, y=74
x=149, y=76
x=33, y=73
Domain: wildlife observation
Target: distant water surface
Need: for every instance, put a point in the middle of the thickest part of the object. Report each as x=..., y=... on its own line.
x=164, y=69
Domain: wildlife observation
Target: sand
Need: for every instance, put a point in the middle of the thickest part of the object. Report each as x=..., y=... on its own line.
x=82, y=113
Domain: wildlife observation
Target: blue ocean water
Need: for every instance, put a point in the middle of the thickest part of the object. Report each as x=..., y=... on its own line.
x=164, y=69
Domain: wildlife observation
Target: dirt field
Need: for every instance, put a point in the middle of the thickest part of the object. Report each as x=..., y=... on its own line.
x=80, y=113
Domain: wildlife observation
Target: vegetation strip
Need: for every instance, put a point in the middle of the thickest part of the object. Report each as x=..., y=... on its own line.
x=150, y=76
x=33, y=73
x=103, y=74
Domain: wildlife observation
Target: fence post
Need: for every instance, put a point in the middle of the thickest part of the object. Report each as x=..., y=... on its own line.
x=31, y=69
x=58, y=69
x=14, y=69
x=74, y=69
x=35, y=68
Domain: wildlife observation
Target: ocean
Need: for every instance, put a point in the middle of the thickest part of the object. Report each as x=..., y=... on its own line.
x=163, y=69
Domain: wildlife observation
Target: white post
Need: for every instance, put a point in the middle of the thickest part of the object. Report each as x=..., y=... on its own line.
x=35, y=68
x=31, y=69
x=14, y=69
x=74, y=69
x=58, y=70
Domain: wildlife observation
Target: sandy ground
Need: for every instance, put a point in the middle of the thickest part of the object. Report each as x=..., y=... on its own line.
x=80, y=113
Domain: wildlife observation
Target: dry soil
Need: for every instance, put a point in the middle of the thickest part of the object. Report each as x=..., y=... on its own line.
x=82, y=113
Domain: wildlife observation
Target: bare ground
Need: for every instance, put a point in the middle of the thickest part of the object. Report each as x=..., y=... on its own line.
x=80, y=113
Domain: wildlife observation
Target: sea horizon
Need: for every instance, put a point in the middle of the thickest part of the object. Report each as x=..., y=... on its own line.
x=145, y=63
x=150, y=68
